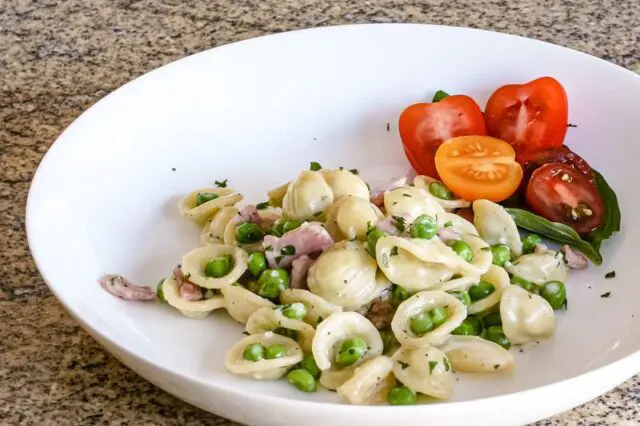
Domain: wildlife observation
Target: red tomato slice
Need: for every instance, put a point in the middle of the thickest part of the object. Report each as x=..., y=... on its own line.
x=529, y=116
x=560, y=193
x=424, y=126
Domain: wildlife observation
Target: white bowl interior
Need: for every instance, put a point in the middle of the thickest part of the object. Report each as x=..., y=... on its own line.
x=104, y=199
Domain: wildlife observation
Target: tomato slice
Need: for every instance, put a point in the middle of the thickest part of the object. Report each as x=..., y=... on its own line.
x=479, y=167
x=529, y=116
x=424, y=126
x=561, y=193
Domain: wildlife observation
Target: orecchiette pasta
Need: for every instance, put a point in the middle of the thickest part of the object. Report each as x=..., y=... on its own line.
x=500, y=280
x=456, y=223
x=411, y=202
x=224, y=197
x=344, y=183
x=271, y=319
x=338, y=327
x=267, y=218
x=426, y=301
x=264, y=369
x=370, y=382
x=317, y=308
x=308, y=196
x=458, y=284
x=423, y=182
x=333, y=379
x=195, y=261
x=240, y=303
x=424, y=369
x=473, y=354
x=213, y=231
x=539, y=268
x=191, y=309
x=525, y=316
x=351, y=217
x=276, y=195
x=496, y=226
x=345, y=275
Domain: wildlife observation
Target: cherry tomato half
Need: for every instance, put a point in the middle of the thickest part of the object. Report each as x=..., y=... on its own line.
x=479, y=167
x=560, y=193
x=424, y=126
x=529, y=116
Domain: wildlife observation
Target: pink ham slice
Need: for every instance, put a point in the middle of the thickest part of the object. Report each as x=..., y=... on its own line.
x=122, y=288
x=249, y=214
x=188, y=290
x=307, y=239
x=377, y=195
x=575, y=260
x=447, y=235
x=299, y=269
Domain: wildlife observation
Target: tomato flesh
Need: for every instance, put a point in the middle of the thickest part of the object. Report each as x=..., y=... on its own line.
x=529, y=116
x=424, y=126
x=561, y=193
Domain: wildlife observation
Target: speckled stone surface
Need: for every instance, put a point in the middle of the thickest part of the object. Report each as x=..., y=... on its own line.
x=59, y=57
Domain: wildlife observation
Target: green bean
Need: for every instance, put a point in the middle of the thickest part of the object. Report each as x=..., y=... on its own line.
x=501, y=254
x=275, y=351
x=402, y=395
x=439, y=190
x=481, y=290
x=555, y=293
x=530, y=242
x=257, y=263
x=248, y=233
x=204, y=197
x=462, y=249
x=253, y=352
x=219, y=266
x=424, y=227
x=302, y=379
x=351, y=351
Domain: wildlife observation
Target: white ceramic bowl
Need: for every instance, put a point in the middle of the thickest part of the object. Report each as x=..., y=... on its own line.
x=104, y=200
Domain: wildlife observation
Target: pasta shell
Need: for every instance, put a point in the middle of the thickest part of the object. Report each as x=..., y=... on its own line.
x=333, y=379
x=424, y=369
x=241, y=303
x=411, y=202
x=525, y=316
x=317, y=308
x=496, y=226
x=344, y=183
x=195, y=261
x=338, y=327
x=269, y=319
x=201, y=213
x=423, y=182
x=351, y=217
x=500, y=280
x=265, y=369
x=457, y=224
x=213, y=231
x=370, y=382
x=191, y=309
x=427, y=301
x=308, y=196
x=276, y=195
x=539, y=268
x=473, y=354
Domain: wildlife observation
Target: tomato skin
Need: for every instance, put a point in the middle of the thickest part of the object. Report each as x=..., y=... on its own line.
x=529, y=116
x=424, y=126
x=560, y=193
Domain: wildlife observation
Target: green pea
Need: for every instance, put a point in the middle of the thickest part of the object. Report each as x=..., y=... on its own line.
x=402, y=395
x=274, y=274
x=421, y=324
x=204, y=197
x=555, y=293
x=481, y=290
x=372, y=239
x=492, y=319
x=219, y=266
x=439, y=190
x=160, y=292
x=285, y=225
x=253, y=352
x=295, y=311
x=302, y=379
x=424, y=227
x=351, y=351
x=271, y=289
x=462, y=249
x=257, y=263
x=501, y=254
x=388, y=340
x=253, y=286
x=438, y=316
x=309, y=364
x=272, y=282
x=462, y=296
x=275, y=351
x=496, y=335
x=471, y=326
x=400, y=294
x=286, y=332
x=247, y=233
x=530, y=242
x=521, y=282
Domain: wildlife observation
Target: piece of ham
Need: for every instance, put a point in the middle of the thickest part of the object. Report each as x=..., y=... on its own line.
x=381, y=312
x=574, y=259
x=249, y=214
x=307, y=239
x=377, y=194
x=188, y=290
x=299, y=269
x=122, y=288
x=388, y=224
x=447, y=235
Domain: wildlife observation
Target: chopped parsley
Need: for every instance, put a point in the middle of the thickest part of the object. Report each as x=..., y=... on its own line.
x=605, y=295
x=399, y=223
x=486, y=249
x=288, y=250
x=315, y=166
x=572, y=125
x=394, y=251
x=221, y=184
x=407, y=195
x=320, y=320
x=496, y=366
x=404, y=365
x=246, y=333
x=609, y=275
x=432, y=366
x=316, y=214
x=268, y=248
x=278, y=259
x=448, y=224
x=354, y=171
x=388, y=127
x=263, y=205
x=173, y=169
x=187, y=276
x=447, y=366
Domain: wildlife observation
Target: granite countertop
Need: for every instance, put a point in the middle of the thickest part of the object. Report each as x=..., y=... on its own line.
x=57, y=58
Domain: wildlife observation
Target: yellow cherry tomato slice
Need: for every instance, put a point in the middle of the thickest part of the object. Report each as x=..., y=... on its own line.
x=479, y=167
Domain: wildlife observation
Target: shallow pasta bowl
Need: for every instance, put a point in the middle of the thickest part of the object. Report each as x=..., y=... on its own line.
x=105, y=199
